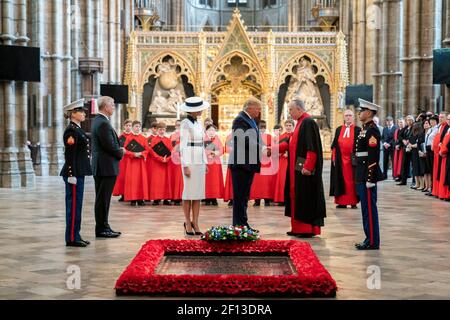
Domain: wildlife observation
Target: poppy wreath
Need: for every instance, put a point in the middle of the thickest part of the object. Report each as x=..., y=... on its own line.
x=141, y=278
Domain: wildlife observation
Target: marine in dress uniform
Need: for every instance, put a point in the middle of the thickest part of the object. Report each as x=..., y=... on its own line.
x=77, y=165
x=368, y=173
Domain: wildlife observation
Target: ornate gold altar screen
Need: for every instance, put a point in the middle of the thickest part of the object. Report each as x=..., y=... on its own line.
x=228, y=67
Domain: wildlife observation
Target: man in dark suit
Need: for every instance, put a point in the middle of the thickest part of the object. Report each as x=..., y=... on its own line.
x=387, y=139
x=106, y=155
x=245, y=158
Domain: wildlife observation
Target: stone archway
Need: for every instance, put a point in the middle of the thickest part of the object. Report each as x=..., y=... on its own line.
x=324, y=82
x=152, y=80
x=233, y=80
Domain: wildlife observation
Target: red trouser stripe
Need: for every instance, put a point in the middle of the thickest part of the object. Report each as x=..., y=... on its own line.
x=74, y=207
x=369, y=205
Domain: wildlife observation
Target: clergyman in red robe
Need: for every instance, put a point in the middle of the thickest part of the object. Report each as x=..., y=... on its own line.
x=342, y=182
x=305, y=198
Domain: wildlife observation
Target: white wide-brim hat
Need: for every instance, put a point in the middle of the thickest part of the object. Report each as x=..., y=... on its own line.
x=194, y=104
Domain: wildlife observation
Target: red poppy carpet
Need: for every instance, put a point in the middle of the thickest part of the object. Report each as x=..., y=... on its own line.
x=309, y=279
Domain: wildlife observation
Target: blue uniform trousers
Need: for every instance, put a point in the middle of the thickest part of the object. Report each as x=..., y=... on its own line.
x=369, y=210
x=74, y=203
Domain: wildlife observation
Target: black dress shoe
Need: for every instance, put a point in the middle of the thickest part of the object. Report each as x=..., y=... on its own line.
x=292, y=234
x=141, y=203
x=111, y=230
x=80, y=244
x=363, y=246
x=355, y=207
x=305, y=235
x=167, y=203
x=121, y=199
x=133, y=203
x=85, y=241
x=107, y=234
x=254, y=230
x=401, y=184
x=257, y=203
x=214, y=203
x=230, y=203
x=341, y=207
x=267, y=203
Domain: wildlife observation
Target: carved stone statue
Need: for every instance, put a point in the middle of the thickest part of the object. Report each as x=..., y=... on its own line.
x=175, y=98
x=167, y=75
x=159, y=103
x=304, y=86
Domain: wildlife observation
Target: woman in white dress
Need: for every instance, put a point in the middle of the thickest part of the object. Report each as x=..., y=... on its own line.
x=193, y=162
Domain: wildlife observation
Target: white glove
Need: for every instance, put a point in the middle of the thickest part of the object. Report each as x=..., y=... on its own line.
x=72, y=180
x=370, y=185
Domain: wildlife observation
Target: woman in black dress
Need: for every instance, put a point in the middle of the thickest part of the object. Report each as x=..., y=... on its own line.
x=416, y=144
x=428, y=159
x=405, y=135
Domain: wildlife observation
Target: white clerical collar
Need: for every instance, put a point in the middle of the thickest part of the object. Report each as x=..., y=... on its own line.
x=347, y=131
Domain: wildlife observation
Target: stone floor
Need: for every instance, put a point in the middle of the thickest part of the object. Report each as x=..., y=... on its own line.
x=414, y=262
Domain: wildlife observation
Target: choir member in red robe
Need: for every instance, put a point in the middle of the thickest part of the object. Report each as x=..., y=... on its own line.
x=280, y=179
x=305, y=199
x=153, y=130
x=444, y=181
x=263, y=183
x=175, y=172
x=342, y=182
x=437, y=142
x=214, y=188
x=136, y=183
x=160, y=156
x=228, y=192
x=398, y=153
x=118, y=187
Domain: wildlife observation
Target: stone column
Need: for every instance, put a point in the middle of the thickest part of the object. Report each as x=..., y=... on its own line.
x=90, y=61
x=387, y=87
x=56, y=154
x=178, y=14
x=361, y=43
x=419, y=38
x=28, y=178
x=446, y=44
x=9, y=168
x=40, y=27
x=75, y=50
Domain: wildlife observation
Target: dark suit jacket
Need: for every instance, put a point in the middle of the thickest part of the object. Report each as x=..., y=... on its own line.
x=388, y=135
x=106, y=151
x=246, y=144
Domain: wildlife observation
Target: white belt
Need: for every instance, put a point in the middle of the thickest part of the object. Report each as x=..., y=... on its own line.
x=362, y=154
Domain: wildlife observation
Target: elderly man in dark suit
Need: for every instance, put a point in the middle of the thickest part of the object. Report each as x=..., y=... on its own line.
x=245, y=159
x=106, y=154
